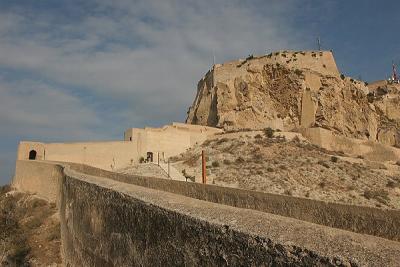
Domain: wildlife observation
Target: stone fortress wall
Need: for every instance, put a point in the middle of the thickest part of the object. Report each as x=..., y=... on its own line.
x=321, y=61
x=140, y=221
x=167, y=141
x=106, y=155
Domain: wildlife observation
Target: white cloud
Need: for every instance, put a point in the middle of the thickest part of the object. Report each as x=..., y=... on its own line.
x=29, y=108
x=150, y=48
x=133, y=63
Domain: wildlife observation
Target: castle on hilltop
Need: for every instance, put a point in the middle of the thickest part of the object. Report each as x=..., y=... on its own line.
x=301, y=91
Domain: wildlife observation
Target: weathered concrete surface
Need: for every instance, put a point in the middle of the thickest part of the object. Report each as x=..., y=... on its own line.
x=365, y=220
x=108, y=223
x=38, y=177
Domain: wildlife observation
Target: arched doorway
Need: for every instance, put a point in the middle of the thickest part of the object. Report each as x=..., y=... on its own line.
x=149, y=156
x=32, y=155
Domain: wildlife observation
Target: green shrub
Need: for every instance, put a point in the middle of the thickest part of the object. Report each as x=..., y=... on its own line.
x=240, y=160
x=283, y=167
x=323, y=163
x=351, y=187
x=33, y=223
x=288, y=192
x=334, y=159
x=392, y=184
x=215, y=164
x=259, y=172
x=342, y=76
x=54, y=233
x=19, y=254
x=206, y=142
x=227, y=162
x=381, y=195
x=4, y=189
x=269, y=132
x=298, y=72
x=222, y=140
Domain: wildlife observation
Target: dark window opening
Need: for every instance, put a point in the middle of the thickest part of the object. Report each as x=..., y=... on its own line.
x=130, y=138
x=149, y=156
x=32, y=155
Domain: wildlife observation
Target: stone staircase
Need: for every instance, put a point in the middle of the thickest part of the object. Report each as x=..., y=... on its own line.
x=174, y=174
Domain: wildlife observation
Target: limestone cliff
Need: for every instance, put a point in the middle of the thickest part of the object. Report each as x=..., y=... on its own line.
x=292, y=90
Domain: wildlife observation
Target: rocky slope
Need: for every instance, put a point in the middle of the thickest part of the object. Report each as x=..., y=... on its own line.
x=254, y=161
x=291, y=90
x=29, y=230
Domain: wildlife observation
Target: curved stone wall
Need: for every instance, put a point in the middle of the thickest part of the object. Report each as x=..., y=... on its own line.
x=109, y=223
x=365, y=220
x=106, y=221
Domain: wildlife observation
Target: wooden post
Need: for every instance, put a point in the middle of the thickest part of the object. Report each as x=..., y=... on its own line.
x=168, y=169
x=203, y=165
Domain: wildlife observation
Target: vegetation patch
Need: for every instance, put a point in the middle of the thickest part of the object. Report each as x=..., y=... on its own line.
x=215, y=164
x=381, y=195
x=26, y=234
x=334, y=159
x=269, y=132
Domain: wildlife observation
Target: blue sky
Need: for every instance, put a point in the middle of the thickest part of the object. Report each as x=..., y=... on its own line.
x=86, y=70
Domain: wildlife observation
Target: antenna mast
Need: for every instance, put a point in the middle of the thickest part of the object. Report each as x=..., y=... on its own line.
x=394, y=78
x=319, y=43
x=213, y=57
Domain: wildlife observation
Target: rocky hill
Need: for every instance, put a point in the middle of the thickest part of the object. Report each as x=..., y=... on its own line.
x=289, y=90
x=286, y=163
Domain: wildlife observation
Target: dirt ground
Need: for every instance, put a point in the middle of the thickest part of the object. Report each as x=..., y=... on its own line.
x=30, y=230
x=266, y=162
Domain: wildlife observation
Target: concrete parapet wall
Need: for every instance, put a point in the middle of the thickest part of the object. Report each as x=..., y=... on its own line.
x=38, y=177
x=368, y=149
x=112, y=222
x=108, y=223
x=366, y=220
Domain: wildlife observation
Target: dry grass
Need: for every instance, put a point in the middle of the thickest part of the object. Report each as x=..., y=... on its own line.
x=381, y=195
x=26, y=232
x=275, y=164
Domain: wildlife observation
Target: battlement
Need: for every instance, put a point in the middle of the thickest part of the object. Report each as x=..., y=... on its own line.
x=322, y=62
